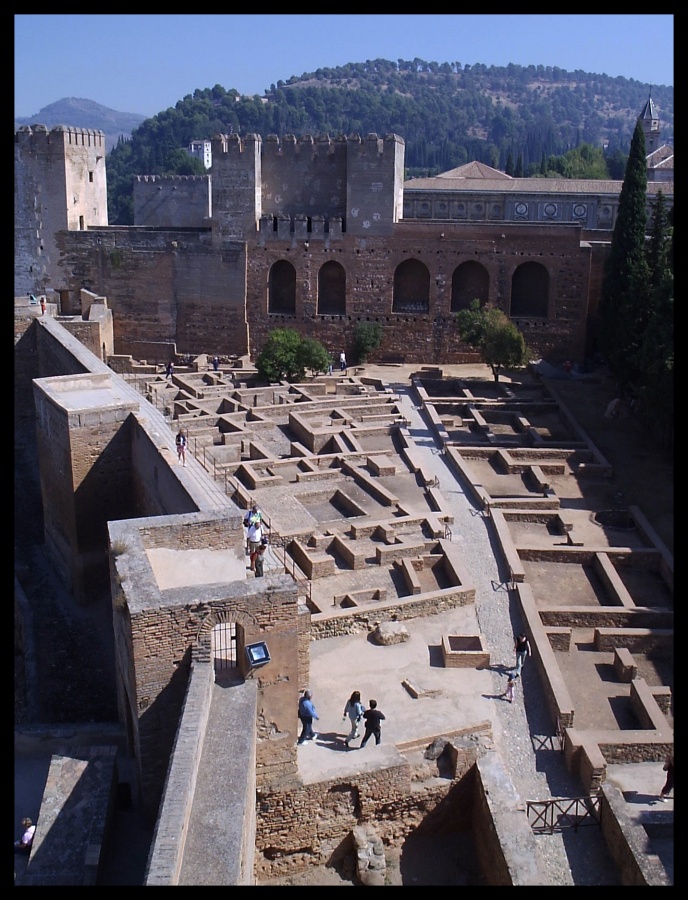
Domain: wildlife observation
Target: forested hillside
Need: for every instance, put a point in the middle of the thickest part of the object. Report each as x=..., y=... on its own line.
x=447, y=113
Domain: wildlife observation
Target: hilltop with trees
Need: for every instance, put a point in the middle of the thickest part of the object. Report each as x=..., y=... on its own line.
x=533, y=120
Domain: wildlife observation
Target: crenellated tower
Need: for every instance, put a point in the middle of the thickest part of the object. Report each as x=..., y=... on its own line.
x=375, y=184
x=236, y=182
x=59, y=184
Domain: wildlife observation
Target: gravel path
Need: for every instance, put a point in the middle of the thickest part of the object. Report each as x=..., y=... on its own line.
x=524, y=736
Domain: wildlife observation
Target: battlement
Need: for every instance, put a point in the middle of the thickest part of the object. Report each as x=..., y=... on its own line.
x=168, y=179
x=64, y=135
x=233, y=144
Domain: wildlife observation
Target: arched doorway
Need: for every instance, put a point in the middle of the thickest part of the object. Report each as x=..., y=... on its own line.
x=411, y=288
x=282, y=288
x=332, y=289
x=530, y=291
x=470, y=281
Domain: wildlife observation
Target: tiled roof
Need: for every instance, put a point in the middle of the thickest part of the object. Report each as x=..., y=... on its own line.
x=516, y=186
x=660, y=155
x=476, y=170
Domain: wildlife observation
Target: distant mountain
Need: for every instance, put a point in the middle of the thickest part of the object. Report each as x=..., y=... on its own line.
x=85, y=114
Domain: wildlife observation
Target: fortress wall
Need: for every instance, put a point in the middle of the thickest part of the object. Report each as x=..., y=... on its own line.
x=423, y=338
x=172, y=201
x=164, y=286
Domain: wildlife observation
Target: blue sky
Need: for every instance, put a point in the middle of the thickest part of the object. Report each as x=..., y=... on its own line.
x=146, y=63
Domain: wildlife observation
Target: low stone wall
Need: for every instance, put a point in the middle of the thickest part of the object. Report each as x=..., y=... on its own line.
x=72, y=824
x=553, y=683
x=626, y=841
x=167, y=848
x=588, y=753
x=641, y=619
x=505, y=845
x=353, y=621
x=308, y=826
x=642, y=640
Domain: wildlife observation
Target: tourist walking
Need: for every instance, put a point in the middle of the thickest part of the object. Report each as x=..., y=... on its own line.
x=252, y=515
x=372, y=717
x=306, y=714
x=169, y=371
x=342, y=361
x=522, y=648
x=260, y=558
x=354, y=709
x=255, y=537
x=669, y=783
x=181, y=442
x=216, y=363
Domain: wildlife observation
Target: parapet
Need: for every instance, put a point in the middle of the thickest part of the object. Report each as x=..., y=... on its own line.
x=67, y=135
x=167, y=179
x=232, y=143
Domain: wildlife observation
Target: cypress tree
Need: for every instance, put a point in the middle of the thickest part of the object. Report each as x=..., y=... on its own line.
x=624, y=303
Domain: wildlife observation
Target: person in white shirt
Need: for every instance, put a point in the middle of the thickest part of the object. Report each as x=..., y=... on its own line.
x=23, y=845
x=255, y=535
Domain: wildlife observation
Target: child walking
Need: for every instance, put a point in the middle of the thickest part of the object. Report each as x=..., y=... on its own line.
x=510, y=687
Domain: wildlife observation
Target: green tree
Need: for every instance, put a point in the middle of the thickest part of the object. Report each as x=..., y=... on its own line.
x=367, y=339
x=655, y=393
x=624, y=303
x=312, y=355
x=279, y=358
x=489, y=331
x=286, y=356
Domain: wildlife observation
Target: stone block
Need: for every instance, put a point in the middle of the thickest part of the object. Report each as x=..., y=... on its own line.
x=390, y=633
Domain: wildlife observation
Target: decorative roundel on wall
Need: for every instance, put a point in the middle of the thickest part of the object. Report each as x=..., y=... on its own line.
x=605, y=212
x=579, y=210
x=550, y=209
x=521, y=209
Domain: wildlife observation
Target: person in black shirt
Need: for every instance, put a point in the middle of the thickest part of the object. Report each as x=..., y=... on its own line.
x=372, y=717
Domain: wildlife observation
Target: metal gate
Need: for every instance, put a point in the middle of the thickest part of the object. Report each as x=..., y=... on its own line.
x=548, y=816
x=223, y=643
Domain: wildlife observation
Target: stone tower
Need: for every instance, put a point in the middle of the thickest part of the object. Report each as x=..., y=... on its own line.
x=59, y=184
x=650, y=122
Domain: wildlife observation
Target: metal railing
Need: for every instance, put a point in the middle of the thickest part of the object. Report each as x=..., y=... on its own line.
x=548, y=816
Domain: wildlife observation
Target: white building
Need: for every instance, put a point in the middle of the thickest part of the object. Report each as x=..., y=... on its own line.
x=202, y=150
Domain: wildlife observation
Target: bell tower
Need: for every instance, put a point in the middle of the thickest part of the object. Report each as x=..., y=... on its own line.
x=650, y=122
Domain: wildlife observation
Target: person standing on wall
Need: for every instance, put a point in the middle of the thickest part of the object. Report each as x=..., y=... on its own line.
x=306, y=714
x=522, y=648
x=373, y=717
x=180, y=441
